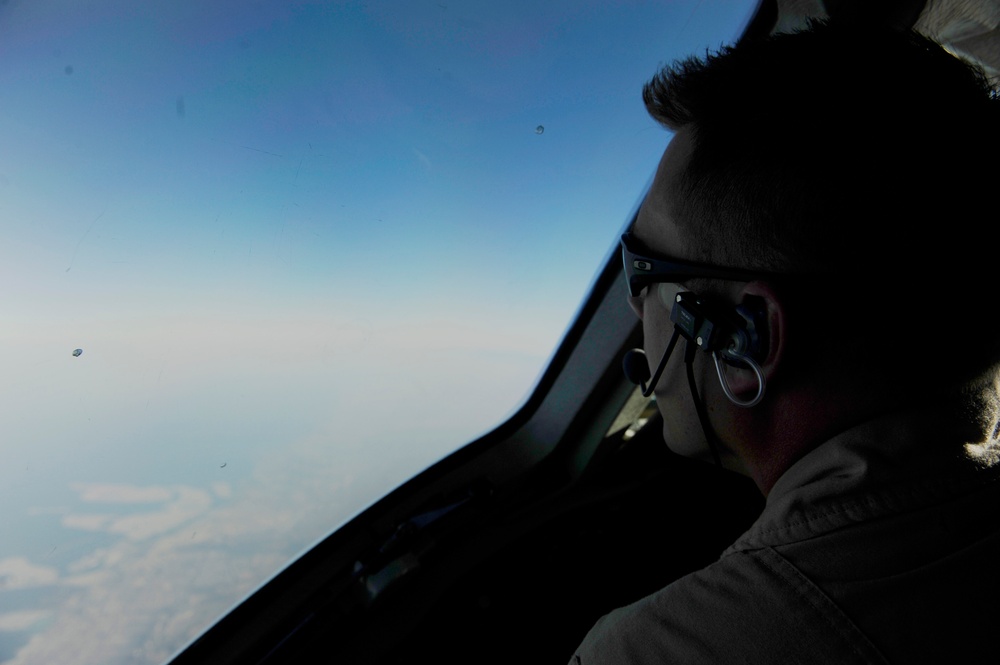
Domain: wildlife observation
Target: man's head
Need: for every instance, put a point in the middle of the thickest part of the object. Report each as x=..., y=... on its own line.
x=807, y=142
x=859, y=162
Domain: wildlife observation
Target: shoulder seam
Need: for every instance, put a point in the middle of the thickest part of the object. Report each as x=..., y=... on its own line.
x=811, y=594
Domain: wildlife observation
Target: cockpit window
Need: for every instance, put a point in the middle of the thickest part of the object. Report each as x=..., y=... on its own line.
x=262, y=262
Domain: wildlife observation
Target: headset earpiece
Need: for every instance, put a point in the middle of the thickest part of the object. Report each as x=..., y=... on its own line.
x=750, y=338
x=714, y=327
x=731, y=334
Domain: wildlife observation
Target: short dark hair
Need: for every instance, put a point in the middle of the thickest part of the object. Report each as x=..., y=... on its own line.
x=865, y=154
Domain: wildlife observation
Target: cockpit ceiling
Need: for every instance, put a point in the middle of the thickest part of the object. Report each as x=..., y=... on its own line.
x=968, y=28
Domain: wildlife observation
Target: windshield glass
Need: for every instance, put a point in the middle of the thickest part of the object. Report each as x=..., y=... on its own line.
x=263, y=261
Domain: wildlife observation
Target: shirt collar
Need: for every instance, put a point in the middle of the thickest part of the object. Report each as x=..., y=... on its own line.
x=884, y=466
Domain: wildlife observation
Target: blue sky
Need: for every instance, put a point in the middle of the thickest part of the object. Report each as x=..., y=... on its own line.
x=307, y=249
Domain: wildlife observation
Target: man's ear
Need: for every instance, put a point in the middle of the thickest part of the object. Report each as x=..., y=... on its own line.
x=764, y=312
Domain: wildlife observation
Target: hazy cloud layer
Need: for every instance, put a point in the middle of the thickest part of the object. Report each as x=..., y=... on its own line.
x=18, y=621
x=177, y=567
x=109, y=493
x=19, y=573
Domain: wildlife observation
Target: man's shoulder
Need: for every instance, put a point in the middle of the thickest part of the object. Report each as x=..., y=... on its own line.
x=749, y=607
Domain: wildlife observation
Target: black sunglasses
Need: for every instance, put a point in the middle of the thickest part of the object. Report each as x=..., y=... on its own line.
x=643, y=269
